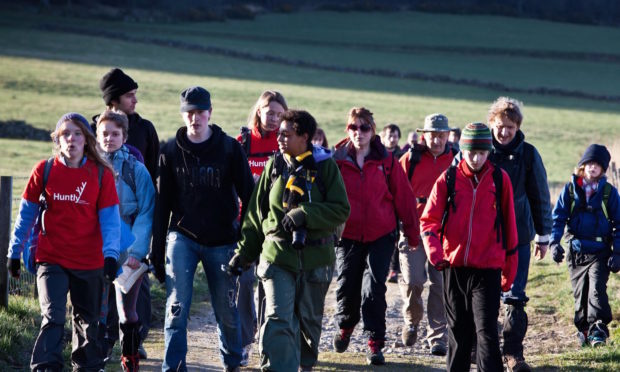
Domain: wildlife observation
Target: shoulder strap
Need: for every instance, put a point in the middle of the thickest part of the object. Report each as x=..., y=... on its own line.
x=318, y=181
x=387, y=171
x=100, y=176
x=450, y=180
x=128, y=172
x=605, y=203
x=414, y=158
x=245, y=139
x=571, y=198
x=46, y=173
x=498, y=180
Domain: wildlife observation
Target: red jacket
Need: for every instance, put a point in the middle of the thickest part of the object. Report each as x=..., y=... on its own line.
x=376, y=201
x=470, y=237
x=261, y=147
x=426, y=173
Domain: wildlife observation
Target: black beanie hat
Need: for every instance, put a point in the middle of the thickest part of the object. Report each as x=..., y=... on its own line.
x=598, y=154
x=195, y=98
x=114, y=84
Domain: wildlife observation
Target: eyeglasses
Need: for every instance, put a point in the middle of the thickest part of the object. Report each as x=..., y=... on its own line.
x=363, y=127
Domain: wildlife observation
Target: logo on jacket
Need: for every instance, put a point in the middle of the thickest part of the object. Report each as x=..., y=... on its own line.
x=76, y=198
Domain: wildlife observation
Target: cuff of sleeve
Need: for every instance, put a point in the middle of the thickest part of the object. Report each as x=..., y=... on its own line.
x=298, y=216
x=541, y=239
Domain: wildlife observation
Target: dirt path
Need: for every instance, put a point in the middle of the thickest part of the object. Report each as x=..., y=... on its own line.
x=203, y=354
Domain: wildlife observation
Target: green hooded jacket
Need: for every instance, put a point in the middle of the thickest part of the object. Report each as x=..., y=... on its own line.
x=322, y=215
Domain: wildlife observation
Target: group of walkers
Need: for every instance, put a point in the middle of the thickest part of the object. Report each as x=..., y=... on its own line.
x=277, y=205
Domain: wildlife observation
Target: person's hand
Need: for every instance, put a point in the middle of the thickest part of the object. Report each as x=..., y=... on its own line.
x=288, y=224
x=614, y=263
x=14, y=267
x=557, y=252
x=132, y=262
x=237, y=265
x=109, y=268
x=540, y=250
x=441, y=265
x=413, y=248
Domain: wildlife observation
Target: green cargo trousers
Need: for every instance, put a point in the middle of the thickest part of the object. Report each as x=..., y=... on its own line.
x=290, y=334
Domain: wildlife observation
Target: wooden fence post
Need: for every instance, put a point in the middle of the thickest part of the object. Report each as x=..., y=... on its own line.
x=6, y=193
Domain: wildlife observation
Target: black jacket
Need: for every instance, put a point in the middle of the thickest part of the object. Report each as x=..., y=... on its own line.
x=200, y=184
x=143, y=136
x=527, y=173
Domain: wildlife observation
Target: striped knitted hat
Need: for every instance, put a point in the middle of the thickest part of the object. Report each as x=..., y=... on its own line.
x=476, y=136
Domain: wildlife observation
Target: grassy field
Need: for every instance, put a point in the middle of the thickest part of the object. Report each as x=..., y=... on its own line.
x=45, y=73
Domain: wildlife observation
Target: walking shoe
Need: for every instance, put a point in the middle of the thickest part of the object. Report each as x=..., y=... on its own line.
x=130, y=363
x=516, y=364
x=245, y=355
x=374, y=355
x=393, y=277
x=409, y=335
x=342, y=339
x=598, y=334
x=582, y=338
x=142, y=352
x=439, y=350
x=305, y=369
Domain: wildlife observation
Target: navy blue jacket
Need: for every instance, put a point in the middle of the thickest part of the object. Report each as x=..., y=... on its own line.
x=527, y=173
x=591, y=230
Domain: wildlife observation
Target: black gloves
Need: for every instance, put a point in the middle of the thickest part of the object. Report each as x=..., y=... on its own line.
x=237, y=265
x=109, y=268
x=614, y=263
x=557, y=252
x=288, y=224
x=159, y=268
x=14, y=267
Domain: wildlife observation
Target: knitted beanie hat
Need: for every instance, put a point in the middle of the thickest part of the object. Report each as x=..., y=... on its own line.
x=598, y=154
x=114, y=84
x=74, y=117
x=476, y=136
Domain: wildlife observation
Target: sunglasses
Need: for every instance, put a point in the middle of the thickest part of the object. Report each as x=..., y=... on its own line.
x=363, y=127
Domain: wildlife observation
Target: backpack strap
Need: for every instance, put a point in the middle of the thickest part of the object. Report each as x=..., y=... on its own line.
x=451, y=181
x=414, y=158
x=498, y=180
x=128, y=172
x=387, y=171
x=571, y=199
x=245, y=134
x=605, y=203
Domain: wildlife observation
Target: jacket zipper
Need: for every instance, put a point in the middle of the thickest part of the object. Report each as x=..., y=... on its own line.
x=471, y=216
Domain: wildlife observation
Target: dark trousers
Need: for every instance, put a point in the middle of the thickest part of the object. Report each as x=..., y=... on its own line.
x=471, y=297
x=588, y=275
x=362, y=271
x=394, y=262
x=85, y=288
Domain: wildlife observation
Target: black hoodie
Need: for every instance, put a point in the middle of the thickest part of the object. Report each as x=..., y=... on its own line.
x=200, y=184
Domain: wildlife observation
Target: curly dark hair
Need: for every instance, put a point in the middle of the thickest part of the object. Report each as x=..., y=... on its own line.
x=302, y=122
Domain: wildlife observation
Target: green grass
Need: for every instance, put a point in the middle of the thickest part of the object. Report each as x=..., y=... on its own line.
x=19, y=324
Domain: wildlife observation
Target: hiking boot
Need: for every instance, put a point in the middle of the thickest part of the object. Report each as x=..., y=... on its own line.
x=582, y=338
x=516, y=364
x=374, y=355
x=409, y=335
x=393, y=277
x=130, y=363
x=342, y=339
x=597, y=334
x=439, y=350
x=245, y=355
x=305, y=369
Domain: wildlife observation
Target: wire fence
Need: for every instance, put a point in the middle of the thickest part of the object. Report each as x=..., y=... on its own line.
x=26, y=284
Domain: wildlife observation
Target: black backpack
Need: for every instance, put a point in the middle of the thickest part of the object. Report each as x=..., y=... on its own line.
x=499, y=220
x=246, y=141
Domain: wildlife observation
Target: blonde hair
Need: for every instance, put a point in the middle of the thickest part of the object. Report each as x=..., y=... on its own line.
x=265, y=99
x=90, y=145
x=118, y=117
x=506, y=107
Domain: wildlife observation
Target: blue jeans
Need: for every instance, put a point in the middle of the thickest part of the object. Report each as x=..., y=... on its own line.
x=182, y=257
x=517, y=291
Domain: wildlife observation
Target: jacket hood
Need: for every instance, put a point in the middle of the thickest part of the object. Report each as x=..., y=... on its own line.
x=320, y=153
x=345, y=148
x=513, y=146
x=121, y=153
